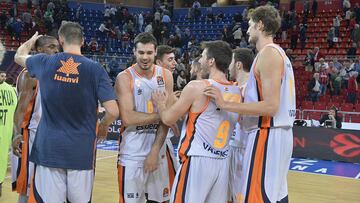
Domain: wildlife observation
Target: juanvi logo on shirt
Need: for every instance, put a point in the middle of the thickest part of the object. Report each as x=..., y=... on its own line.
x=68, y=72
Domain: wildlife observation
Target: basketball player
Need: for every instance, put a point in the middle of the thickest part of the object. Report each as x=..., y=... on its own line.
x=268, y=113
x=204, y=171
x=142, y=136
x=26, y=121
x=160, y=181
x=239, y=71
x=196, y=72
x=8, y=101
x=64, y=148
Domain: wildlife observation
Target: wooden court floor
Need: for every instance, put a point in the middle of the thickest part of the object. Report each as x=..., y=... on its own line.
x=303, y=187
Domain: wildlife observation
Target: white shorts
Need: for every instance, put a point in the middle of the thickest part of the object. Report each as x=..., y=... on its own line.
x=266, y=165
x=54, y=185
x=132, y=183
x=236, y=156
x=21, y=168
x=201, y=179
x=160, y=182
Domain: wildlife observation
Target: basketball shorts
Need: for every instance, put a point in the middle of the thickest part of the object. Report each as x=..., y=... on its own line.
x=266, y=165
x=132, y=184
x=201, y=179
x=236, y=162
x=54, y=185
x=21, y=168
x=160, y=181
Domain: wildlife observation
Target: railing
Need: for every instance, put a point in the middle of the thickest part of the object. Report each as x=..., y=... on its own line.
x=344, y=114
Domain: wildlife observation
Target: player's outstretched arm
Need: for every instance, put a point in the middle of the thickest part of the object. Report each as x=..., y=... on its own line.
x=126, y=104
x=26, y=87
x=23, y=51
x=269, y=66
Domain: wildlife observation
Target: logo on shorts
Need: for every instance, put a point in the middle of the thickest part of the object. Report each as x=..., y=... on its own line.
x=160, y=80
x=68, y=72
x=166, y=192
x=130, y=195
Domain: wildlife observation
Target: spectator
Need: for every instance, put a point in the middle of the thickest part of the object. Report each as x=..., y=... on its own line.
x=181, y=80
x=209, y=15
x=17, y=28
x=244, y=14
x=289, y=54
x=107, y=13
x=303, y=29
x=102, y=30
x=345, y=73
x=352, y=24
x=306, y=9
x=220, y=16
x=140, y=22
x=335, y=84
x=243, y=43
x=337, y=64
x=149, y=28
x=332, y=116
x=78, y=13
x=294, y=34
x=93, y=45
x=196, y=5
x=348, y=15
x=3, y=20
x=357, y=12
x=323, y=78
x=330, y=37
x=166, y=20
x=357, y=65
x=355, y=35
x=352, y=87
x=157, y=17
x=292, y=5
x=50, y=7
x=27, y=19
x=237, y=36
x=125, y=40
x=314, y=7
x=346, y=5
x=351, y=52
x=318, y=54
x=336, y=24
x=309, y=61
x=314, y=88
x=226, y=35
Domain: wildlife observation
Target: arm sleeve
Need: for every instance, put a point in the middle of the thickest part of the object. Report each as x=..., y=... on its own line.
x=105, y=91
x=35, y=64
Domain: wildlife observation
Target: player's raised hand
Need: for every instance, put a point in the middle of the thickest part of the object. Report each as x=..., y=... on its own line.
x=215, y=93
x=31, y=42
x=159, y=97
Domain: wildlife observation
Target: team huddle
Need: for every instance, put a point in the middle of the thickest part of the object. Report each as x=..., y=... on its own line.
x=236, y=140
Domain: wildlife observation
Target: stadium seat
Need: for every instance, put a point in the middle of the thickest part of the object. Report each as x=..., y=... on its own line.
x=307, y=105
x=347, y=107
x=319, y=105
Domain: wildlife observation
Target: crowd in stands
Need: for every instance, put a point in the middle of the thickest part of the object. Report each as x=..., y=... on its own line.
x=119, y=27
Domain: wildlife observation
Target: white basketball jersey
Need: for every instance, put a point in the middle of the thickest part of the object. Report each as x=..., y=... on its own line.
x=285, y=115
x=36, y=113
x=238, y=139
x=136, y=141
x=208, y=131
